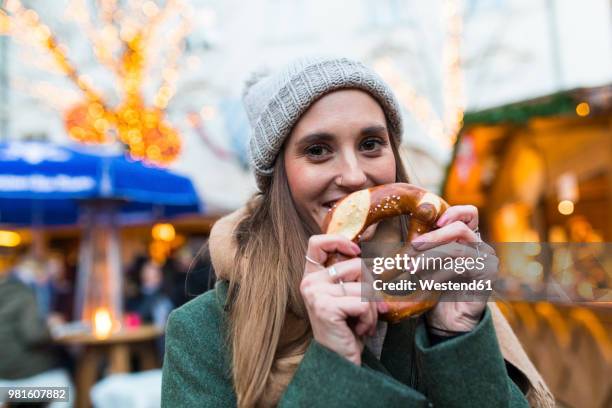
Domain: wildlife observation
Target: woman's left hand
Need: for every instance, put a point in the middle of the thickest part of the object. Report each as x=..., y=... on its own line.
x=458, y=225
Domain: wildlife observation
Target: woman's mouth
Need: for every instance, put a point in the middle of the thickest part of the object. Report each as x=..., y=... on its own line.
x=330, y=204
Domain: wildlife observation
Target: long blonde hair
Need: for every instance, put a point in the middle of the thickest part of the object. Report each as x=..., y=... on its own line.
x=269, y=328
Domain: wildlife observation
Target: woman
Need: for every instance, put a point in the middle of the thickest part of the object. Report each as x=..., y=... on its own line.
x=274, y=331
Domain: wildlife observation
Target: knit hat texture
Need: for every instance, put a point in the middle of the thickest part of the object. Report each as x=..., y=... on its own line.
x=274, y=102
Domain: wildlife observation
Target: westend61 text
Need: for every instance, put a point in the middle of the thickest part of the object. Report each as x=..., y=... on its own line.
x=429, y=284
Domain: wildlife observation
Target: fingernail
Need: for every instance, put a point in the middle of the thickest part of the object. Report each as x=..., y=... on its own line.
x=418, y=243
x=441, y=221
x=355, y=248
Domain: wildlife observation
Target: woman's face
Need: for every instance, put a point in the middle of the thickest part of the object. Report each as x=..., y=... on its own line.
x=340, y=145
x=151, y=275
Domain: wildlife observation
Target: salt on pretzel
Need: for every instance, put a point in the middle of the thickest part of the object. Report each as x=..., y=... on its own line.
x=353, y=214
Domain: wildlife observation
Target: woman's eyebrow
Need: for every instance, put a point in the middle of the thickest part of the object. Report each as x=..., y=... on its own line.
x=316, y=137
x=373, y=130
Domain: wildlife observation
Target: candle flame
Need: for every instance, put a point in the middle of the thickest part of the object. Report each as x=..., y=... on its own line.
x=102, y=323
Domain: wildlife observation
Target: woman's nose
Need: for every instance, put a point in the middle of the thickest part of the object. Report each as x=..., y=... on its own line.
x=351, y=174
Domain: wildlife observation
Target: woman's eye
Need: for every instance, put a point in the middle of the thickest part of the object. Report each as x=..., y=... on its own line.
x=317, y=150
x=371, y=144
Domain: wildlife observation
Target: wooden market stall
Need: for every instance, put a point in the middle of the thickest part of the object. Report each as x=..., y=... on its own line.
x=540, y=172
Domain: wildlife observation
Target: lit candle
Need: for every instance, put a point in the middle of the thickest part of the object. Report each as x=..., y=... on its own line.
x=102, y=323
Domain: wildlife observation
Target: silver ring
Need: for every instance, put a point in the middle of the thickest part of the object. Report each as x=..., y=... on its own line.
x=478, y=243
x=341, y=282
x=312, y=261
x=332, y=272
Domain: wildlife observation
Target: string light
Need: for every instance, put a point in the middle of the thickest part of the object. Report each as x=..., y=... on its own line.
x=163, y=232
x=150, y=9
x=9, y=238
x=54, y=96
x=144, y=130
x=583, y=109
x=566, y=207
x=30, y=19
x=442, y=128
x=168, y=87
x=418, y=105
x=452, y=79
x=104, y=42
x=88, y=122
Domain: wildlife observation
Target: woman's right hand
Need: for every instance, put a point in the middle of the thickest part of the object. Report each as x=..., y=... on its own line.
x=329, y=305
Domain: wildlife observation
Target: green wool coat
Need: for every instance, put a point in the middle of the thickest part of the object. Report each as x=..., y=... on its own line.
x=465, y=371
x=25, y=342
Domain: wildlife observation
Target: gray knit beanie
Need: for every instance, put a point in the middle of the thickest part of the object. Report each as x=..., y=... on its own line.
x=275, y=101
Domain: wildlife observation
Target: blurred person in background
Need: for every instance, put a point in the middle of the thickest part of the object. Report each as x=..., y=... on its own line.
x=154, y=303
x=187, y=275
x=62, y=288
x=27, y=354
x=147, y=294
x=45, y=274
x=31, y=269
x=133, y=283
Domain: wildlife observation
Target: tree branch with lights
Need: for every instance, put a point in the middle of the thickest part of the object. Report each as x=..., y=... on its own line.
x=444, y=127
x=121, y=45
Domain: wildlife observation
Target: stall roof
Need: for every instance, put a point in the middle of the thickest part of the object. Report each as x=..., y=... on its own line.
x=560, y=103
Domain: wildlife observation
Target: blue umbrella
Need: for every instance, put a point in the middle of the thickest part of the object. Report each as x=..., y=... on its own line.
x=44, y=184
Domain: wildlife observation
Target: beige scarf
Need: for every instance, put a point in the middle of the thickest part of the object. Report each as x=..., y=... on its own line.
x=223, y=248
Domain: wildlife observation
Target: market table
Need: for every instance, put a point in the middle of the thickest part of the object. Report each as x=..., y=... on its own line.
x=116, y=350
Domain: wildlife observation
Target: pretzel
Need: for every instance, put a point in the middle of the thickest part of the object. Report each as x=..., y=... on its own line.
x=353, y=214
